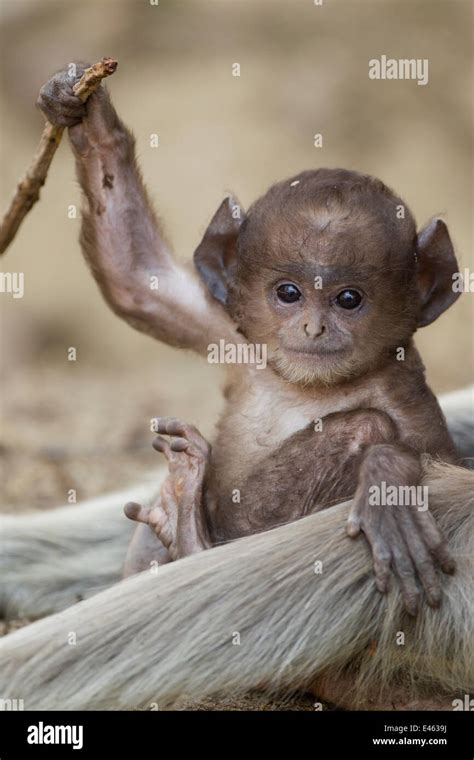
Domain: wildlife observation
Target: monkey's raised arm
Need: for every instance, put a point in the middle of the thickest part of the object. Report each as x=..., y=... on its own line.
x=121, y=237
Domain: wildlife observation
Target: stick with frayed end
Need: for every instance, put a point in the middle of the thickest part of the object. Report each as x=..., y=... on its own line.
x=28, y=189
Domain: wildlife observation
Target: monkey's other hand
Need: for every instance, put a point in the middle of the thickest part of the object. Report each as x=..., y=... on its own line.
x=409, y=542
x=57, y=100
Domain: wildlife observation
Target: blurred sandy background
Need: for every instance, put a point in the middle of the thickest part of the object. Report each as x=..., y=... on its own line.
x=84, y=425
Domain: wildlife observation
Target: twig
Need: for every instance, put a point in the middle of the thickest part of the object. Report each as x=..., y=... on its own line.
x=28, y=189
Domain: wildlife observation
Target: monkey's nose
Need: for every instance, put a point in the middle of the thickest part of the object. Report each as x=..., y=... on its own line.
x=313, y=331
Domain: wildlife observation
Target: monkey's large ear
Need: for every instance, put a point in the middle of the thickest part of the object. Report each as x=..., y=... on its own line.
x=217, y=252
x=436, y=266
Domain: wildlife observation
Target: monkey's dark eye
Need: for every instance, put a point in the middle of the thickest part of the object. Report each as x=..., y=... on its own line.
x=288, y=293
x=348, y=299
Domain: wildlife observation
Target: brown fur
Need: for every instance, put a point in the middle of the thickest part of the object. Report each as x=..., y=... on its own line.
x=326, y=363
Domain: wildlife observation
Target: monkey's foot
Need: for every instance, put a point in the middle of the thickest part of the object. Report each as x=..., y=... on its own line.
x=160, y=516
x=178, y=517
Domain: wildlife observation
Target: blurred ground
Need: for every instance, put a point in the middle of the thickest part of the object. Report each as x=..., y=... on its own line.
x=85, y=424
x=75, y=428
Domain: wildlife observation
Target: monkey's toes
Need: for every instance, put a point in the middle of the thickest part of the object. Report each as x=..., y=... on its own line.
x=172, y=426
x=177, y=444
x=132, y=510
x=187, y=438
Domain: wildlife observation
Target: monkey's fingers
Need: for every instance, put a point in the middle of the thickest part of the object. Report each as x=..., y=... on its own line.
x=172, y=426
x=421, y=558
x=387, y=528
x=393, y=555
x=435, y=541
x=62, y=109
x=136, y=512
x=183, y=433
x=381, y=556
x=163, y=531
x=354, y=520
x=163, y=446
x=155, y=517
x=405, y=571
x=177, y=445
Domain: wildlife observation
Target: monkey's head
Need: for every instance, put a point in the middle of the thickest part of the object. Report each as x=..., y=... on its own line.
x=327, y=269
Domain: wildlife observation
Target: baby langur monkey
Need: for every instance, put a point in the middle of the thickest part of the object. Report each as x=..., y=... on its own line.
x=328, y=272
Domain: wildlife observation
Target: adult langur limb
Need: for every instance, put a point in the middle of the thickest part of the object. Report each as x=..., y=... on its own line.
x=160, y=636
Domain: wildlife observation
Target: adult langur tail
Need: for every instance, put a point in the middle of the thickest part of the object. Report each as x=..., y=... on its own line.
x=257, y=612
x=50, y=560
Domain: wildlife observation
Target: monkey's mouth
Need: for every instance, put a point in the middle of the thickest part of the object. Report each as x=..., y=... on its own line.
x=315, y=353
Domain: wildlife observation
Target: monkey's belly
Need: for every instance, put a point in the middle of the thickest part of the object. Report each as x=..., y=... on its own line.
x=296, y=480
x=311, y=470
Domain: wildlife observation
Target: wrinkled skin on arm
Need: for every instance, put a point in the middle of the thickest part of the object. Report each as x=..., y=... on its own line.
x=121, y=236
